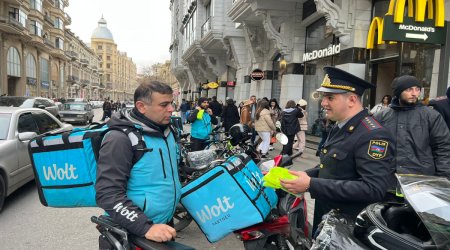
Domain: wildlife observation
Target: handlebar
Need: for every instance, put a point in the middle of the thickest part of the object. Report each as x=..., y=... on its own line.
x=287, y=159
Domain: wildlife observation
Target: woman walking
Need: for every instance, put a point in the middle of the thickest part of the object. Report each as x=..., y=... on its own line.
x=264, y=126
x=290, y=125
x=301, y=136
x=230, y=115
x=385, y=101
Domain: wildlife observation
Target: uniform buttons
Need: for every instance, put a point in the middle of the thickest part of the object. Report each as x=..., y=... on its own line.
x=321, y=166
x=324, y=151
x=334, y=155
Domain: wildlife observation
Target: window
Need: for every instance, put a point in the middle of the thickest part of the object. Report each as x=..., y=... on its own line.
x=59, y=24
x=44, y=72
x=36, y=28
x=31, y=66
x=18, y=15
x=45, y=123
x=99, y=47
x=108, y=65
x=108, y=77
x=59, y=4
x=108, y=58
x=13, y=63
x=36, y=4
x=27, y=124
x=59, y=43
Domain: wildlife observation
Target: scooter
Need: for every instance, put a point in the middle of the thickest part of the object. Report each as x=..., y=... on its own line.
x=286, y=227
x=115, y=237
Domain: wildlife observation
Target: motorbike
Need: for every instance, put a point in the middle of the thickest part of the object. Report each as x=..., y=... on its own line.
x=112, y=236
x=287, y=225
x=419, y=221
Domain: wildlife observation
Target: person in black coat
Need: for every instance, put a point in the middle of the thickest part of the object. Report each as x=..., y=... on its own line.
x=357, y=160
x=290, y=125
x=442, y=105
x=230, y=115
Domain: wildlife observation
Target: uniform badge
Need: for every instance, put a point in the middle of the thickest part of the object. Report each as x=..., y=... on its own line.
x=377, y=149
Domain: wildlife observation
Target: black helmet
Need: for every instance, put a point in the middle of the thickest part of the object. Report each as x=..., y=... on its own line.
x=239, y=133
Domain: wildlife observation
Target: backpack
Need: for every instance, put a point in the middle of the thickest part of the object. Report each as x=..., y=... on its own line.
x=65, y=164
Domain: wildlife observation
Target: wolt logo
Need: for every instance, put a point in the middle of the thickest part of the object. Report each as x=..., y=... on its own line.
x=55, y=173
x=223, y=205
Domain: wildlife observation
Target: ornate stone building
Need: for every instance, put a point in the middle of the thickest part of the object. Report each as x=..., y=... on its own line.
x=119, y=70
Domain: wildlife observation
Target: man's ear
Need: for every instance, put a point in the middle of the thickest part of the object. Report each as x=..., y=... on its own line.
x=140, y=106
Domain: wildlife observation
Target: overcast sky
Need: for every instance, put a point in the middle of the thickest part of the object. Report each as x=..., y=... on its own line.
x=140, y=27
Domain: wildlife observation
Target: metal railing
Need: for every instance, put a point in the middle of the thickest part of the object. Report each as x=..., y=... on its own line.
x=206, y=27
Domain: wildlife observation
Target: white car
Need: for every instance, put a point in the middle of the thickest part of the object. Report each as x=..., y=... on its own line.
x=17, y=127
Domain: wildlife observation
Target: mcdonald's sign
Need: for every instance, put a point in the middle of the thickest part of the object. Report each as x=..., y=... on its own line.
x=413, y=27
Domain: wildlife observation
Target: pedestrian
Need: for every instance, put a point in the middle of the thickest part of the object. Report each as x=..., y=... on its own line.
x=141, y=197
x=264, y=126
x=275, y=112
x=216, y=107
x=184, y=107
x=107, y=109
x=442, y=105
x=325, y=128
x=356, y=162
x=290, y=125
x=423, y=138
x=230, y=115
x=300, y=145
x=385, y=101
x=202, y=120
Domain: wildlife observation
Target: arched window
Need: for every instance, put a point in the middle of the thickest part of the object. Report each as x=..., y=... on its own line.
x=31, y=66
x=13, y=63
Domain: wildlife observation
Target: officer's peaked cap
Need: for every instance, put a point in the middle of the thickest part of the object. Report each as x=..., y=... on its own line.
x=339, y=81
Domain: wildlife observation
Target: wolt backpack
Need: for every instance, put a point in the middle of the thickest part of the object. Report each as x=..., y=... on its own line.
x=65, y=164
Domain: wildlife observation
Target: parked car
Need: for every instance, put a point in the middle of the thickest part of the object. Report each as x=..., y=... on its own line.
x=17, y=127
x=76, y=100
x=77, y=112
x=30, y=102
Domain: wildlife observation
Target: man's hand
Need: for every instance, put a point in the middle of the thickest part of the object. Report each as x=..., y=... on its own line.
x=161, y=233
x=198, y=108
x=299, y=185
x=209, y=111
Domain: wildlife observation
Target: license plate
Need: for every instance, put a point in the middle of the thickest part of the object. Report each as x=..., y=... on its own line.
x=69, y=120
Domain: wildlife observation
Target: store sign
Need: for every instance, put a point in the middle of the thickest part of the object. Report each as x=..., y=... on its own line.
x=395, y=26
x=45, y=85
x=31, y=81
x=316, y=54
x=257, y=75
x=213, y=85
x=231, y=83
x=204, y=86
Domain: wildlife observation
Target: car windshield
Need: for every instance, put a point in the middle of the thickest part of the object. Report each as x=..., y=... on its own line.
x=430, y=198
x=17, y=101
x=4, y=125
x=75, y=106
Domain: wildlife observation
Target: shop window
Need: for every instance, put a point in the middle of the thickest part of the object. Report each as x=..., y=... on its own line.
x=31, y=66
x=13, y=62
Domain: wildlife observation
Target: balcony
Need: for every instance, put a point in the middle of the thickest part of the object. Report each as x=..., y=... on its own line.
x=72, y=55
x=95, y=84
x=68, y=19
x=109, y=85
x=84, y=62
x=11, y=25
x=212, y=34
x=49, y=43
x=102, y=86
x=49, y=20
x=84, y=82
x=72, y=78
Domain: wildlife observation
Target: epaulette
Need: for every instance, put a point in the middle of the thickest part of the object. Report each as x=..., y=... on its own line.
x=370, y=123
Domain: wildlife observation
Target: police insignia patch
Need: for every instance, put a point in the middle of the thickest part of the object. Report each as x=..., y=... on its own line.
x=377, y=149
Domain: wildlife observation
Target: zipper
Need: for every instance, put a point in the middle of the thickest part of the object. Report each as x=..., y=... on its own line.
x=173, y=177
x=69, y=186
x=162, y=161
x=205, y=182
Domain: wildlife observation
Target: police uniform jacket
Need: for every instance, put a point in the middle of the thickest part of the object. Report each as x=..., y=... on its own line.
x=356, y=167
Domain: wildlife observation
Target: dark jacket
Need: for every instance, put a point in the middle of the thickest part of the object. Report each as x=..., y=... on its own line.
x=289, y=121
x=230, y=116
x=423, y=139
x=356, y=168
x=123, y=189
x=216, y=108
x=184, y=107
x=442, y=105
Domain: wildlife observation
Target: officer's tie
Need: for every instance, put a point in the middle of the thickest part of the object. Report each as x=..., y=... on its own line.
x=333, y=131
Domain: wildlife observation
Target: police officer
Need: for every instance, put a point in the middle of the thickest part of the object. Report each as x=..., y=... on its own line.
x=356, y=161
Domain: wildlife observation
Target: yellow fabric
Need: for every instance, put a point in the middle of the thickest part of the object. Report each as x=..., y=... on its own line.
x=200, y=114
x=272, y=179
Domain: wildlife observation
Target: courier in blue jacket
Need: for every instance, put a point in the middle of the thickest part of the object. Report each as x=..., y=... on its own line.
x=202, y=120
x=141, y=197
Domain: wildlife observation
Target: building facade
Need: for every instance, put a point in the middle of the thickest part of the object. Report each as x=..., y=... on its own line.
x=291, y=41
x=119, y=72
x=32, y=37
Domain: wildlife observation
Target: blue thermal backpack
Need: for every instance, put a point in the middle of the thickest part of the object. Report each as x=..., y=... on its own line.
x=65, y=164
x=228, y=197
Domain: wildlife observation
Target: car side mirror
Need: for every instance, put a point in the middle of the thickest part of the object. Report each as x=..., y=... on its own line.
x=67, y=127
x=41, y=106
x=26, y=136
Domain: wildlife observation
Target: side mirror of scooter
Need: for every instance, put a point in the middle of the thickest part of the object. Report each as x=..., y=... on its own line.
x=282, y=138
